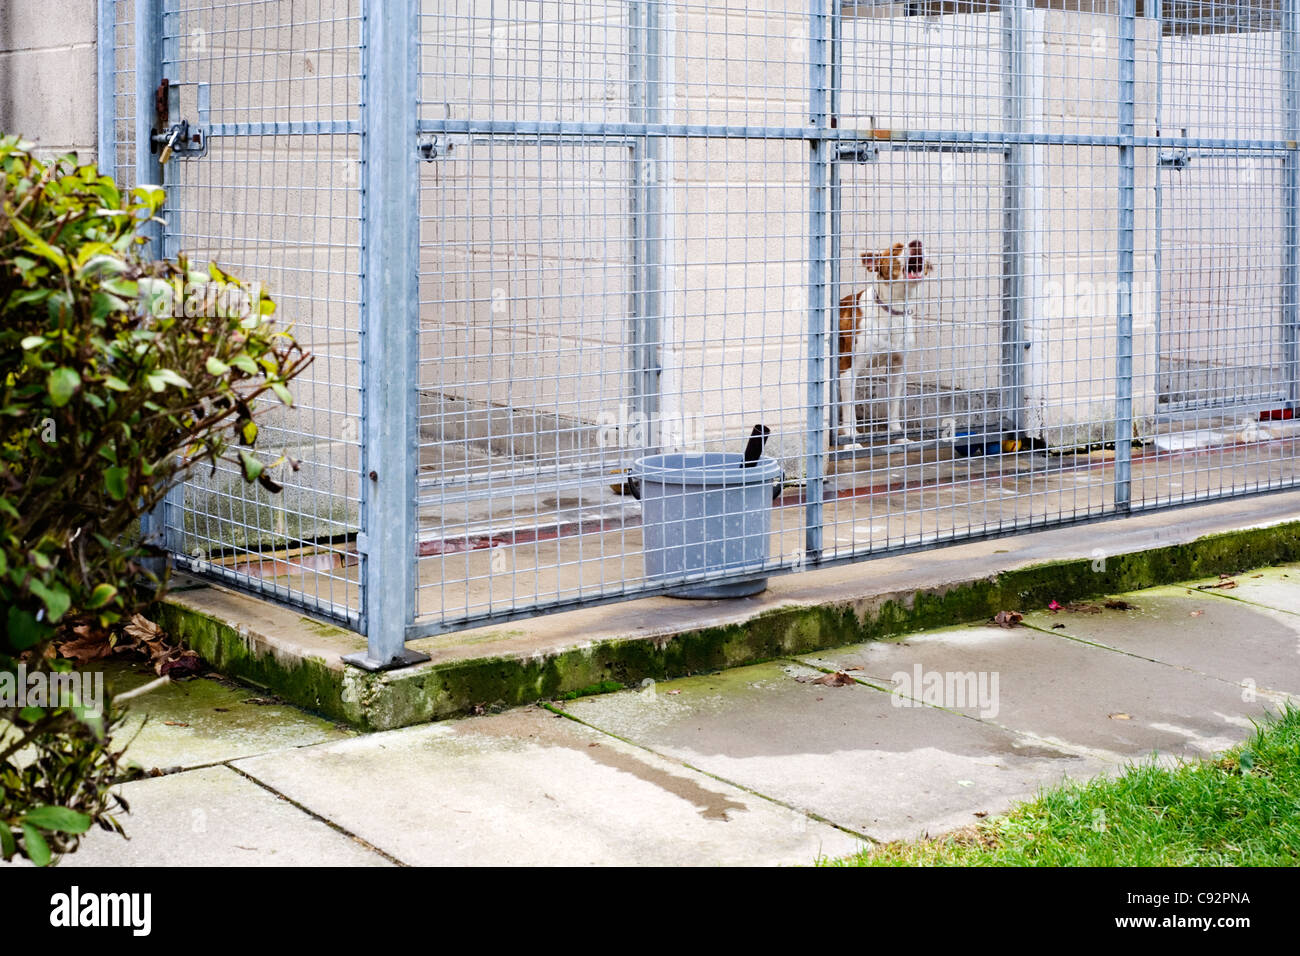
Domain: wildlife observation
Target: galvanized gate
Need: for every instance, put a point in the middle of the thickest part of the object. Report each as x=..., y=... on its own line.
x=531, y=242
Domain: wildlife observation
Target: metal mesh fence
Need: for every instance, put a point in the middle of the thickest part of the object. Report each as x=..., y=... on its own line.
x=974, y=266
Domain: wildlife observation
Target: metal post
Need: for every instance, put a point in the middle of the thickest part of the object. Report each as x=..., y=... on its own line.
x=390, y=330
x=1124, y=274
x=148, y=172
x=819, y=318
x=148, y=76
x=106, y=77
x=646, y=98
x=1013, y=224
x=1157, y=247
x=1291, y=195
x=836, y=192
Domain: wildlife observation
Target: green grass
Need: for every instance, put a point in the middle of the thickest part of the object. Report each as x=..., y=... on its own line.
x=1240, y=810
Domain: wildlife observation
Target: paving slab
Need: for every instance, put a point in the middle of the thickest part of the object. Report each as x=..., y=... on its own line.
x=528, y=787
x=846, y=753
x=1277, y=587
x=215, y=817
x=202, y=721
x=1208, y=631
x=1071, y=694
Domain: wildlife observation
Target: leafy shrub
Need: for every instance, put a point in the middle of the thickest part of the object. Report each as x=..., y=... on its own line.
x=117, y=375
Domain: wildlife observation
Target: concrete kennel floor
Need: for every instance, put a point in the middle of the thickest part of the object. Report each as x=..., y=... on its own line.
x=507, y=550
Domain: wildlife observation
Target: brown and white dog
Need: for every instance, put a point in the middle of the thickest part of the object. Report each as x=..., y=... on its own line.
x=875, y=330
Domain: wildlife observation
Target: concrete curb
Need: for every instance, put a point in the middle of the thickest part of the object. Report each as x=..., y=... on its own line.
x=599, y=649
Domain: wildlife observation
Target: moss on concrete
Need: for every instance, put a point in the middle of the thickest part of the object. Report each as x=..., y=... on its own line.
x=306, y=681
x=440, y=690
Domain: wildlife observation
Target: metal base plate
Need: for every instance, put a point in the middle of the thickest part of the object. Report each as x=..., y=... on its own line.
x=366, y=663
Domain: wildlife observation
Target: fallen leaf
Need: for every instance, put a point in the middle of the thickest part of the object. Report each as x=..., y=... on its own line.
x=1007, y=619
x=1221, y=586
x=1197, y=613
x=86, y=648
x=1058, y=627
x=674, y=692
x=1082, y=607
x=1119, y=716
x=143, y=629
x=184, y=664
x=838, y=679
x=175, y=723
x=1115, y=604
x=981, y=814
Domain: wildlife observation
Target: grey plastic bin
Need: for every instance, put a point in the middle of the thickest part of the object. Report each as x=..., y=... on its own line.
x=706, y=512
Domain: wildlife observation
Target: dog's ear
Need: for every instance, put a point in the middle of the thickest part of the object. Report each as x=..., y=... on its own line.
x=869, y=261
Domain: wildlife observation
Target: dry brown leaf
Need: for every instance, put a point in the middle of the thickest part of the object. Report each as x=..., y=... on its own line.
x=1119, y=716
x=838, y=679
x=1115, y=604
x=1008, y=618
x=1082, y=607
x=1197, y=613
x=86, y=647
x=143, y=629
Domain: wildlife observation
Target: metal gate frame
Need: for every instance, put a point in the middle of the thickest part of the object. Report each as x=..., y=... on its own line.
x=395, y=139
x=1179, y=151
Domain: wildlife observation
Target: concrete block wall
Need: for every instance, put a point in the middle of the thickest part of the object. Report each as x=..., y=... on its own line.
x=47, y=75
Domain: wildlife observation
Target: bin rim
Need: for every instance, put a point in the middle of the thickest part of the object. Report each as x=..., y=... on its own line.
x=708, y=469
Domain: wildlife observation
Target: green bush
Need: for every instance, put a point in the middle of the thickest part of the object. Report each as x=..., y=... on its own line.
x=117, y=375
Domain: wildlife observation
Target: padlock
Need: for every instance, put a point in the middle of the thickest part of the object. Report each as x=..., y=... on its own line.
x=166, y=153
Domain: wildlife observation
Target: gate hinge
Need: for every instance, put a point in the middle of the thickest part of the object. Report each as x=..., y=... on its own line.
x=363, y=543
x=857, y=152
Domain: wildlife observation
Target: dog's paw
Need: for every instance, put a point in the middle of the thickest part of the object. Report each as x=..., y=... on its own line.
x=898, y=438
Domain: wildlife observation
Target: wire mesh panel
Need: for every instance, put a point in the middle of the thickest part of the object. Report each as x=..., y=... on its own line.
x=117, y=93
x=1222, y=271
x=1221, y=245
x=275, y=88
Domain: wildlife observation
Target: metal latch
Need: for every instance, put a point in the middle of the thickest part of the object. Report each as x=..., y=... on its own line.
x=180, y=139
x=429, y=148
x=857, y=152
x=1176, y=158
